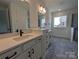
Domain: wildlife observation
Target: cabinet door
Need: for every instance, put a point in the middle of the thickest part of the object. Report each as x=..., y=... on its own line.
x=11, y=54
x=37, y=51
x=22, y=56
x=25, y=55
x=47, y=39
x=45, y=42
x=44, y=46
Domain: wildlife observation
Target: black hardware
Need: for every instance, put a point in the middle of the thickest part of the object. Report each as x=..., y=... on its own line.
x=29, y=54
x=39, y=39
x=32, y=51
x=7, y=57
x=11, y=56
x=21, y=32
x=40, y=58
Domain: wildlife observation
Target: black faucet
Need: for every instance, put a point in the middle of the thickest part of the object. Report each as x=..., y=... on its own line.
x=21, y=32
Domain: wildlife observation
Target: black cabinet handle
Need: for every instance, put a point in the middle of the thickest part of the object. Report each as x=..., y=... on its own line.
x=29, y=54
x=11, y=56
x=7, y=57
x=39, y=39
x=32, y=51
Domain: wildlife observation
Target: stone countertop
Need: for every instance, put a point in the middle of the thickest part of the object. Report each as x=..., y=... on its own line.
x=8, y=43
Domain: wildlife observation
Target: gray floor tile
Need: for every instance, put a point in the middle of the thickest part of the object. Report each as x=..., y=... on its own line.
x=62, y=49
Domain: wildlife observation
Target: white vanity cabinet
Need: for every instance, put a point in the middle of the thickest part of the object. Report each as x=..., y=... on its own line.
x=32, y=50
x=11, y=54
x=45, y=41
x=28, y=50
x=48, y=40
x=36, y=50
x=39, y=49
x=24, y=55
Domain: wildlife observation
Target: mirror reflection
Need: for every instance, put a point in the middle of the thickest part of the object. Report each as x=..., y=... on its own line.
x=14, y=15
x=41, y=20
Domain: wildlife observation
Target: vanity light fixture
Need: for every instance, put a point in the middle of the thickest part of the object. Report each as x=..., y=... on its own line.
x=42, y=10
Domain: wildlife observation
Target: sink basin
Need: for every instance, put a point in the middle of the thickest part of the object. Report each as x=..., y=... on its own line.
x=22, y=38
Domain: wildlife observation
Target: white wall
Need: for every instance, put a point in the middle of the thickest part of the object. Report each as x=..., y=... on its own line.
x=63, y=32
x=17, y=16
x=34, y=9
x=48, y=20
x=33, y=13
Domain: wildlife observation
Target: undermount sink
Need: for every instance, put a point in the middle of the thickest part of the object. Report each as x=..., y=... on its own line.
x=22, y=37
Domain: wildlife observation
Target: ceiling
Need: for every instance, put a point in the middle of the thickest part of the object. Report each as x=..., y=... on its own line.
x=55, y=5
x=5, y=2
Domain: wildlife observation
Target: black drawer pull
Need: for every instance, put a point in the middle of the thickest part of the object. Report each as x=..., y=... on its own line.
x=7, y=57
x=32, y=51
x=29, y=54
x=39, y=39
x=11, y=56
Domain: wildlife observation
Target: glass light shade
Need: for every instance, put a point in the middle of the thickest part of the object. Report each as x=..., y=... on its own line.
x=42, y=10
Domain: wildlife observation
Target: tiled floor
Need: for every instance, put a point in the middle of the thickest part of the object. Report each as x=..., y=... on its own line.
x=62, y=49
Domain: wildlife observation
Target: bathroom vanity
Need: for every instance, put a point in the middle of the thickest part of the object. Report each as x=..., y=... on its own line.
x=29, y=46
x=25, y=47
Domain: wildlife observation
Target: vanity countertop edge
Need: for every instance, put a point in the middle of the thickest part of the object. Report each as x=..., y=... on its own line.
x=8, y=43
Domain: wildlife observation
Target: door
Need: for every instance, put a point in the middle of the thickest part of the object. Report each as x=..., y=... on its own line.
x=38, y=50
x=44, y=45
x=75, y=26
x=25, y=55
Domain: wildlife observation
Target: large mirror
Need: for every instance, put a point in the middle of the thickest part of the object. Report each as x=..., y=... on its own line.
x=41, y=20
x=14, y=15
x=5, y=25
x=41, y=17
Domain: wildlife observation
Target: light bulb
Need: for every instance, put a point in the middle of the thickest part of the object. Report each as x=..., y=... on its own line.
x=41, y=8
x=44, y=10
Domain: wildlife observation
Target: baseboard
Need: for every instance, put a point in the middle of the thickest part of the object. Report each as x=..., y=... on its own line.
x=61, y=37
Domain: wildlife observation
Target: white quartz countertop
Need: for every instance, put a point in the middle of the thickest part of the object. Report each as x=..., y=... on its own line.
x=8, y=43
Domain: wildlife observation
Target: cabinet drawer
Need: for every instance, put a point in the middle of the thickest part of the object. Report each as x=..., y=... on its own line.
x=28, y=45
x=11, y=54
